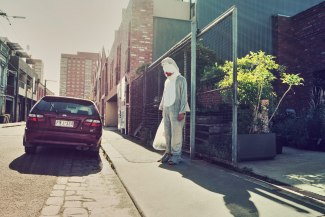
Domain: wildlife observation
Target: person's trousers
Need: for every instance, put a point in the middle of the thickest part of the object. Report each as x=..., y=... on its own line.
x=173, y=133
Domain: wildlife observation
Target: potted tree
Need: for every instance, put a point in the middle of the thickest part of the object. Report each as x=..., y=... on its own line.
x=257, y=101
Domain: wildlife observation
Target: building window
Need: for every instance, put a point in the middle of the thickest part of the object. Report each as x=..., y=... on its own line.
x=2, y=73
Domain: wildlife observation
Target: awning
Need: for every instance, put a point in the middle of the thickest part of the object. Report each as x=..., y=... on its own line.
x=14, y=46
x=30, y=61
x=22, y=54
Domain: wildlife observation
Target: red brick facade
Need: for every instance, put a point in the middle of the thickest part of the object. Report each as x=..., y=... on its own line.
x=141, y=34
x=299, y=44
x=133, y=41
x=131, y=48
x=76, y=72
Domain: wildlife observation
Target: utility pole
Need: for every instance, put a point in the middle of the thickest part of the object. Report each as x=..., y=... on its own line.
x=235, y=86
x=45, y=88
x=193, y=79
x=3, y=14
x=45, y=85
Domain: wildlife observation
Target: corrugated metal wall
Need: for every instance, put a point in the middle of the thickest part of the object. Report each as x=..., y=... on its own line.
x=254, y=20
x=167, y=32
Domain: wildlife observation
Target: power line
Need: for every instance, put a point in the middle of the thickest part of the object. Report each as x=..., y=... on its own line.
x=3, y=14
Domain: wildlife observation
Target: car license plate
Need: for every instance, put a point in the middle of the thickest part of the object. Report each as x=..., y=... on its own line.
x=62, y=123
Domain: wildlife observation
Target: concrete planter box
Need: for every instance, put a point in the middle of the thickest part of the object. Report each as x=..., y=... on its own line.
x=256, y=146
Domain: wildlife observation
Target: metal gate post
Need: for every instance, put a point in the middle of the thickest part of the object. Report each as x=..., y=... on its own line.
x=235, y=85
x=193, y=85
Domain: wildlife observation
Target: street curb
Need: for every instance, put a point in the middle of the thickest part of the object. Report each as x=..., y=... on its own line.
x=310, y=201
x=126, y=188
x=280, y=187
x=293, y=192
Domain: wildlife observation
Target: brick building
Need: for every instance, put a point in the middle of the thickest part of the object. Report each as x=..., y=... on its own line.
x=148, y=28
x=75, y=74
x=299, y=45
x=38, y=67
x=4, y=59
x=100, y=88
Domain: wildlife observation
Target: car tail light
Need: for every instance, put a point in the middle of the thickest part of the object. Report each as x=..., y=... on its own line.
x=36, y=118
x=92, y=123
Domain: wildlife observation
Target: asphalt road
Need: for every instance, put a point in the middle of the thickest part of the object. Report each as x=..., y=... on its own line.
x=57, y=182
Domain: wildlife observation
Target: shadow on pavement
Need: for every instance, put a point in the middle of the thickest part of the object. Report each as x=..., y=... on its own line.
x=55, y=161
x=236, y=191
x=135, y=140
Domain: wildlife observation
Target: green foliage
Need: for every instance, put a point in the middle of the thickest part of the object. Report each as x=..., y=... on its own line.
x=292, y=129
x=142, y=68
x=315, y=115
x=206, y=58
x=291, y=79
x=308, y=130
x=212, y=72
x=255, y=76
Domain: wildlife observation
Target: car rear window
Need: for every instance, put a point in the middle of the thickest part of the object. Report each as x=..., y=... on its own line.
x=67, y=106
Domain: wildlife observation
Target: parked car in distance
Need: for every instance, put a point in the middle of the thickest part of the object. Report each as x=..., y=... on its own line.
x=66, y=121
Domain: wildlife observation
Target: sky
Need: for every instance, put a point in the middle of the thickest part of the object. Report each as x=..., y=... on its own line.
x=53, y=27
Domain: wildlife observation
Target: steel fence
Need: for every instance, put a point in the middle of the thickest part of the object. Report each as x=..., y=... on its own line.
x=213, y=136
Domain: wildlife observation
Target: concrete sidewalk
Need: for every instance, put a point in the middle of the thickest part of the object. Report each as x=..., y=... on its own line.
x=304, y=170
x=161, y=190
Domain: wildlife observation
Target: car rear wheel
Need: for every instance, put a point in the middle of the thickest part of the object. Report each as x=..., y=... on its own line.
x=30, y=150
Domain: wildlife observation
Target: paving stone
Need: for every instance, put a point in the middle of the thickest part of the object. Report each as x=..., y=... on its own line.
x=75, y=212
x=73, y=184
x=76, y=188
x=54, y=201
x=62, y=180
x=59, y=187
x=93, y=194
x=72, y=204
x=69, y=193
x=57, y=193
x=49, y=216
x=50, y=210
x=76, y=179
x=73, y=198
x=91, y=205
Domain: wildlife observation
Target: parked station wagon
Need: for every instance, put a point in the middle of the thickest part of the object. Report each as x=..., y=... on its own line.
x=66, y=121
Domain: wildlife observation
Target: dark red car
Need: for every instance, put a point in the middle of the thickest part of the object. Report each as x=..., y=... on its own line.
x=66, y=121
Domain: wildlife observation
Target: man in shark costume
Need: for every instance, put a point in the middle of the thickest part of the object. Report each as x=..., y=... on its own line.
x=174, y=106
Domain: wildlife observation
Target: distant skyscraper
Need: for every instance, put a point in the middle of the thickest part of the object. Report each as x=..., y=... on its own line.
x=75, y=74
x=38, y=67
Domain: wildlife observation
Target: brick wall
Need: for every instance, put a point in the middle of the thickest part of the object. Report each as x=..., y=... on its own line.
x=208, y=98
x=299, y=44
x=141, y=37
x=141, y=34
x=131, y=48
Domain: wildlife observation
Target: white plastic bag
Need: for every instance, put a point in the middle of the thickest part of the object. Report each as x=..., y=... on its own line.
x=159, y=143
